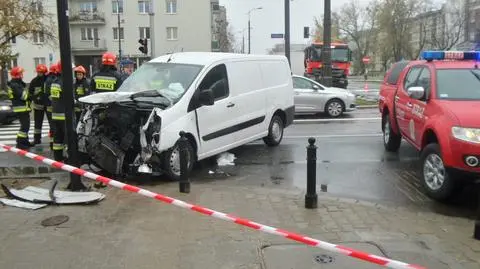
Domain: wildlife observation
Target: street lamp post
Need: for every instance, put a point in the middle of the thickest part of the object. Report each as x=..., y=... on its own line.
x=118, y=31
x=287, y=30
x=249, y=37
x=327, y=42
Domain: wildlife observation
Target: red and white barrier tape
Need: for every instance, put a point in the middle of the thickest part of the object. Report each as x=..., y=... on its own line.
x=382, y=261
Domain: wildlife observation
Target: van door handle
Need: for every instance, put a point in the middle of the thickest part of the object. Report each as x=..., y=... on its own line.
x=230, y=105
x=409, y=104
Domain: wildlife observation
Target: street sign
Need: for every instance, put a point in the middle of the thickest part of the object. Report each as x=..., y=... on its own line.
x=366, y=60
x=276, y=35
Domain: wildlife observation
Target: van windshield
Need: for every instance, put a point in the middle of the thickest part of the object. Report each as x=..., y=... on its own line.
x=169, y=79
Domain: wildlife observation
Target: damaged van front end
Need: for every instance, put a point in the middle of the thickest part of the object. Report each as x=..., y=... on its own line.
x=120, y=139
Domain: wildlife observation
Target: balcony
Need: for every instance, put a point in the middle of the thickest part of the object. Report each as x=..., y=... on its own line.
x=89, y=46
x=87, y=17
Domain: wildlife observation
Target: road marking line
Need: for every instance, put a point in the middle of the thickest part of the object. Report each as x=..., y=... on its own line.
x=332, y=136
x=333, y=120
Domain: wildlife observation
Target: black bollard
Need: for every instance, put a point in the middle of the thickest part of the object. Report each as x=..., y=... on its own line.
x=311, y=197
x=184, y=182
x=476, y=230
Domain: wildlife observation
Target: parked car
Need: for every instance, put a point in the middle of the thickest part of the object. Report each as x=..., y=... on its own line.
x=220, y=100
x=312, y=97
x=6, y=112
x=434, y=104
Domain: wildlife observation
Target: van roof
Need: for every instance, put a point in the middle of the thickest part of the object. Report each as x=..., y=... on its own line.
x=207, y=58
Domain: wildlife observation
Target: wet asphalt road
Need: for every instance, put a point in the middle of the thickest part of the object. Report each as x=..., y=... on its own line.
x=358, y=88
x=351, y=161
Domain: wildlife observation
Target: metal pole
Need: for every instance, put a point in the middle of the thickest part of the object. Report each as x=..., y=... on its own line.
x=249, y=37
x=184, y=182
x=243, y=42
x=311, y=198
x=476, y=229
x=152, y=30
x=67, y=77
x=287, y=30
x=118, y=32
x=327, y=42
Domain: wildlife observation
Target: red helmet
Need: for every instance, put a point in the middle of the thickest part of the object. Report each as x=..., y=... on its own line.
x=17, y=72
x=109, y=58
x=41, y=68
x=80, y=69
x=59, y=67
x=54, y=68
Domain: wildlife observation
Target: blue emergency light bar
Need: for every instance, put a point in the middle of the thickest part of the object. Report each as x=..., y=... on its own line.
x=451, y=55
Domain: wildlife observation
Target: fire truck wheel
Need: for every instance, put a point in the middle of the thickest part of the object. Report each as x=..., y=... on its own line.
x=391, y=140
x=438, y=183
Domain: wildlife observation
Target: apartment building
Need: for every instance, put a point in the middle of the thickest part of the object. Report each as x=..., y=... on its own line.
x=219, y=25
x=472, y=25
x=97, y=26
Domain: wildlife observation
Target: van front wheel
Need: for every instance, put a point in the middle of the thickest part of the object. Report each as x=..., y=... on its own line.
x=275, y=132
x=171, y=162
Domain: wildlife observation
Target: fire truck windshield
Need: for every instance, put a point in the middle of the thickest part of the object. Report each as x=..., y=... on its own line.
x=338, y=54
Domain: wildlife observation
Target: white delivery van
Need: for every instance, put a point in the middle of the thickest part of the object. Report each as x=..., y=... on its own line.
x=220, y=100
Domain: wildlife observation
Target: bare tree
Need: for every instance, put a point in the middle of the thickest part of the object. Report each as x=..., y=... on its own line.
x=396, y=19
x=452, y=26
x=318, y=31
x=226, y=37
x=22, y=18
x=359, y=25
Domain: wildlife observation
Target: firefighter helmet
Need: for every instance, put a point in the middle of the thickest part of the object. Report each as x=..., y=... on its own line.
x=80, y=69
x=17, y=72
x=109, y=58
x=41, y=68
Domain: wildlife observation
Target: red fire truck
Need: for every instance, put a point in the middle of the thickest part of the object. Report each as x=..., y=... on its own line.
x=341, y=62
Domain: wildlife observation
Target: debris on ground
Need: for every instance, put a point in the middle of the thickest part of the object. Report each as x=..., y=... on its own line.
x=226, y=159
x=21, y=204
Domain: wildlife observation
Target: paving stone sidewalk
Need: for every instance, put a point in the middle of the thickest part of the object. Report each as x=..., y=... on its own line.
x=131, y=231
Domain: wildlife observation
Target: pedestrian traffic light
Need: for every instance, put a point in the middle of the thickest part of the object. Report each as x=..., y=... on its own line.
x=306, y=32
x=144, y=47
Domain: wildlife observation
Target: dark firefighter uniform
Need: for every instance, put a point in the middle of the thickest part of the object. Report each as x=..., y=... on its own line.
x=108, y=79
x=18, y=93
x=37, y=92
x=81, y=88
x=58, y=116
x=52, y=75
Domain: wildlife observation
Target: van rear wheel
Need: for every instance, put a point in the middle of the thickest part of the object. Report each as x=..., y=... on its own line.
x=275, y=132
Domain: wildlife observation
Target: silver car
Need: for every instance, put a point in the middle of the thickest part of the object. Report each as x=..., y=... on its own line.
x=312, y=97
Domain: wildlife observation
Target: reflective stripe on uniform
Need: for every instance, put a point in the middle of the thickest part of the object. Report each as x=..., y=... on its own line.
x=20, y=109
x=80, y=91
x=49, y=108
x=55, y=90
x=58, y=146
x=37, y=90
x=78, y=109
x=37, y=106
x=105, y=83
x=21, y=134
x=10, y=93
x=58, y=116
x=24, y=95
x=37, y=131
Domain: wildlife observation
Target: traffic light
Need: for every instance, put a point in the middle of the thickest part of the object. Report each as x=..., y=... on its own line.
x=306, y=32
x=144, y=47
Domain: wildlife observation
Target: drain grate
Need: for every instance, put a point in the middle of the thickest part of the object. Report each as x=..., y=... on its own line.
x=323, y=259
x=55, y=220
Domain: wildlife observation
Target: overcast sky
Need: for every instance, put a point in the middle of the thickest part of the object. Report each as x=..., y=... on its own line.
x=270, y=19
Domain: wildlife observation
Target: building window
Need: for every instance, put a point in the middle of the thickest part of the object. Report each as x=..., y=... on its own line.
x=13, y=40
x=144, y=32
x=117, y=34
x=117, y=6
x=13, y=62
x=38, y=37
x=39, y=60
x=88, y=34
x=38, y=6
x=144, y=7
x=172, y=33
x=171, y=6
x=88, y=7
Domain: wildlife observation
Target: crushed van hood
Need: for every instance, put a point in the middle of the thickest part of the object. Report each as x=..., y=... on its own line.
x=105, y=97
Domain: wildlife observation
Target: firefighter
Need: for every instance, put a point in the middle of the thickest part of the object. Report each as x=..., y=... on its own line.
x=81, y=88
x=18, y=93
x=36, y=91
x=108, y=79
x=48, y=103
x=55, y=90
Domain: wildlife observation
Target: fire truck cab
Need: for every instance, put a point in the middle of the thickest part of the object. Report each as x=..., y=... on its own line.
x=341, y=62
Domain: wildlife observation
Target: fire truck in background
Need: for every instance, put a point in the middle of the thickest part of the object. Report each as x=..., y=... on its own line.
x=341, y=62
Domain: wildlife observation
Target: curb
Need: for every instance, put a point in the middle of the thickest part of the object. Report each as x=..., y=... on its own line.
x=367, y=107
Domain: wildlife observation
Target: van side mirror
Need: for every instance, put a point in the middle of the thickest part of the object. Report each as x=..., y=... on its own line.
x=416, y=92
x=206, y=97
